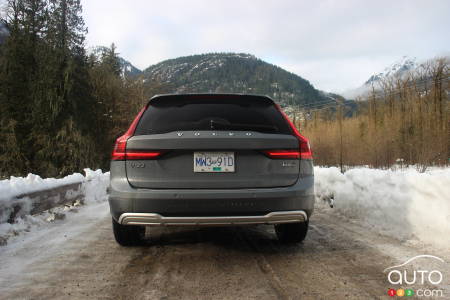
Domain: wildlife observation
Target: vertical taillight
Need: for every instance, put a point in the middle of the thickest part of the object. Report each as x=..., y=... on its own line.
x=120, y=147
x=304, y=147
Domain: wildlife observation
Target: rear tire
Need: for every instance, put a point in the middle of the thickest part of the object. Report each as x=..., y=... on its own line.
x=292, y=232
x=128, y=235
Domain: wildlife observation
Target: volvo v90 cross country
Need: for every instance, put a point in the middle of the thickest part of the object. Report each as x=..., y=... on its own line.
x=211, y=159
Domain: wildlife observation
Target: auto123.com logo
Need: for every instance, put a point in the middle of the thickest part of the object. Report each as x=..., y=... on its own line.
x=415, y=277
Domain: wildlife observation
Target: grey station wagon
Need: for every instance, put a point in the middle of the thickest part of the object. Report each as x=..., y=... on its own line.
x=211, y=159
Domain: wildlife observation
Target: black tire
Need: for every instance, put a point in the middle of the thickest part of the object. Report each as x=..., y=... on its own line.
x=291, y=232
x=128, y=235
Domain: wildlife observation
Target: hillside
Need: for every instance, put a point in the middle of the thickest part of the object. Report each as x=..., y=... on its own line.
x=233, y=73
x=128, y=68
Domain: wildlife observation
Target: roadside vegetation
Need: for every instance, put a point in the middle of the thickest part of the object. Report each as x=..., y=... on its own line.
x=60, y=107
x=403, y=121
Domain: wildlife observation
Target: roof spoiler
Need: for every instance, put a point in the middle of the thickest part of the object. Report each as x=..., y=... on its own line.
x=209, y=96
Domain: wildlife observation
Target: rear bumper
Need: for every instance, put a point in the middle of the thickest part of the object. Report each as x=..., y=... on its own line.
x=153, y=219
x=165, y=206
x=207, y=206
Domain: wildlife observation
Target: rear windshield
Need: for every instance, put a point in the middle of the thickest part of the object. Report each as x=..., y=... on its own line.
x=169, y=115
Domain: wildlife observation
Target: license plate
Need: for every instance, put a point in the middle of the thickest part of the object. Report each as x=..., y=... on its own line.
x=215, y=162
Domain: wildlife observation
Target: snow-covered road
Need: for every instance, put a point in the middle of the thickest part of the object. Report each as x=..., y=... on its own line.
x=344, y=256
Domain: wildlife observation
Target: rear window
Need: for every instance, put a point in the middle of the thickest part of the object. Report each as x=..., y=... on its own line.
x=169, y=115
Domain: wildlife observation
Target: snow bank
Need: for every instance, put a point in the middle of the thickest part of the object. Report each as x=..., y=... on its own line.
x=93, y=189
x=405, y=204
x=12, y=191
x=15, y=186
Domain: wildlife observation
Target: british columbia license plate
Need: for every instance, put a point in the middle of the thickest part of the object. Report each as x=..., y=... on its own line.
x=214, y=162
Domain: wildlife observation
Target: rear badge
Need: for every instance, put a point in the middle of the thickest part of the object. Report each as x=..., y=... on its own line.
x=288, y=164
x=137, y=165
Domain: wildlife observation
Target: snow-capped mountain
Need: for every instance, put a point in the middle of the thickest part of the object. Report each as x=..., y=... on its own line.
x=398, y=69
x=128, y=69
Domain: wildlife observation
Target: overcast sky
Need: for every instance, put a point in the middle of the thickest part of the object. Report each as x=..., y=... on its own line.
x=336, y=45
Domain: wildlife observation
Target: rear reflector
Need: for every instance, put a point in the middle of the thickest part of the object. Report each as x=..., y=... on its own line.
x=283, y=154
x=304, y=147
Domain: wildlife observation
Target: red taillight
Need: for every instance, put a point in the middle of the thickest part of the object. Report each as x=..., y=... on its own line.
x=119, y=150
x=136, y=155
x=304, y=147
x=283, y=154
x=120, y=153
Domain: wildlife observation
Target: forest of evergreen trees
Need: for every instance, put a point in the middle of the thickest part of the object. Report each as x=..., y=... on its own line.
x=60, y=108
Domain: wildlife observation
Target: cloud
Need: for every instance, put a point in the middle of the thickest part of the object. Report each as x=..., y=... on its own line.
x=333, y=44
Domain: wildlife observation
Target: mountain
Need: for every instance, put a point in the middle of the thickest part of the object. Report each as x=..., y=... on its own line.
x=233, y=73
x=128, y=70
x=399, y=68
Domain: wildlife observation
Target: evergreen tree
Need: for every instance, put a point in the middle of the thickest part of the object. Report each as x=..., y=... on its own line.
x=66, y=102
x=110, y=59
x=60, y=111
x=18, y=68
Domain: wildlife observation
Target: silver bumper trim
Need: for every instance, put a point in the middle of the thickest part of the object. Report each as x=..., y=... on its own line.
x=153, y=219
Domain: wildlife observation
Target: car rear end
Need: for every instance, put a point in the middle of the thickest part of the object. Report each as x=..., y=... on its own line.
x=211, y=159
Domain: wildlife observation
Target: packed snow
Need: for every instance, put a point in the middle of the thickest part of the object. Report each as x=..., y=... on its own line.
x=12, y=192
x=93, y=187
x=405, y=204
x=33, y=183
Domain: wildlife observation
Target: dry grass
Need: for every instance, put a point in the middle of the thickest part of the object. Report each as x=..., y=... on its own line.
x=407, y=121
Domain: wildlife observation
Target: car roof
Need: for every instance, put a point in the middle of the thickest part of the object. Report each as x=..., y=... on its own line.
x=199, y=96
